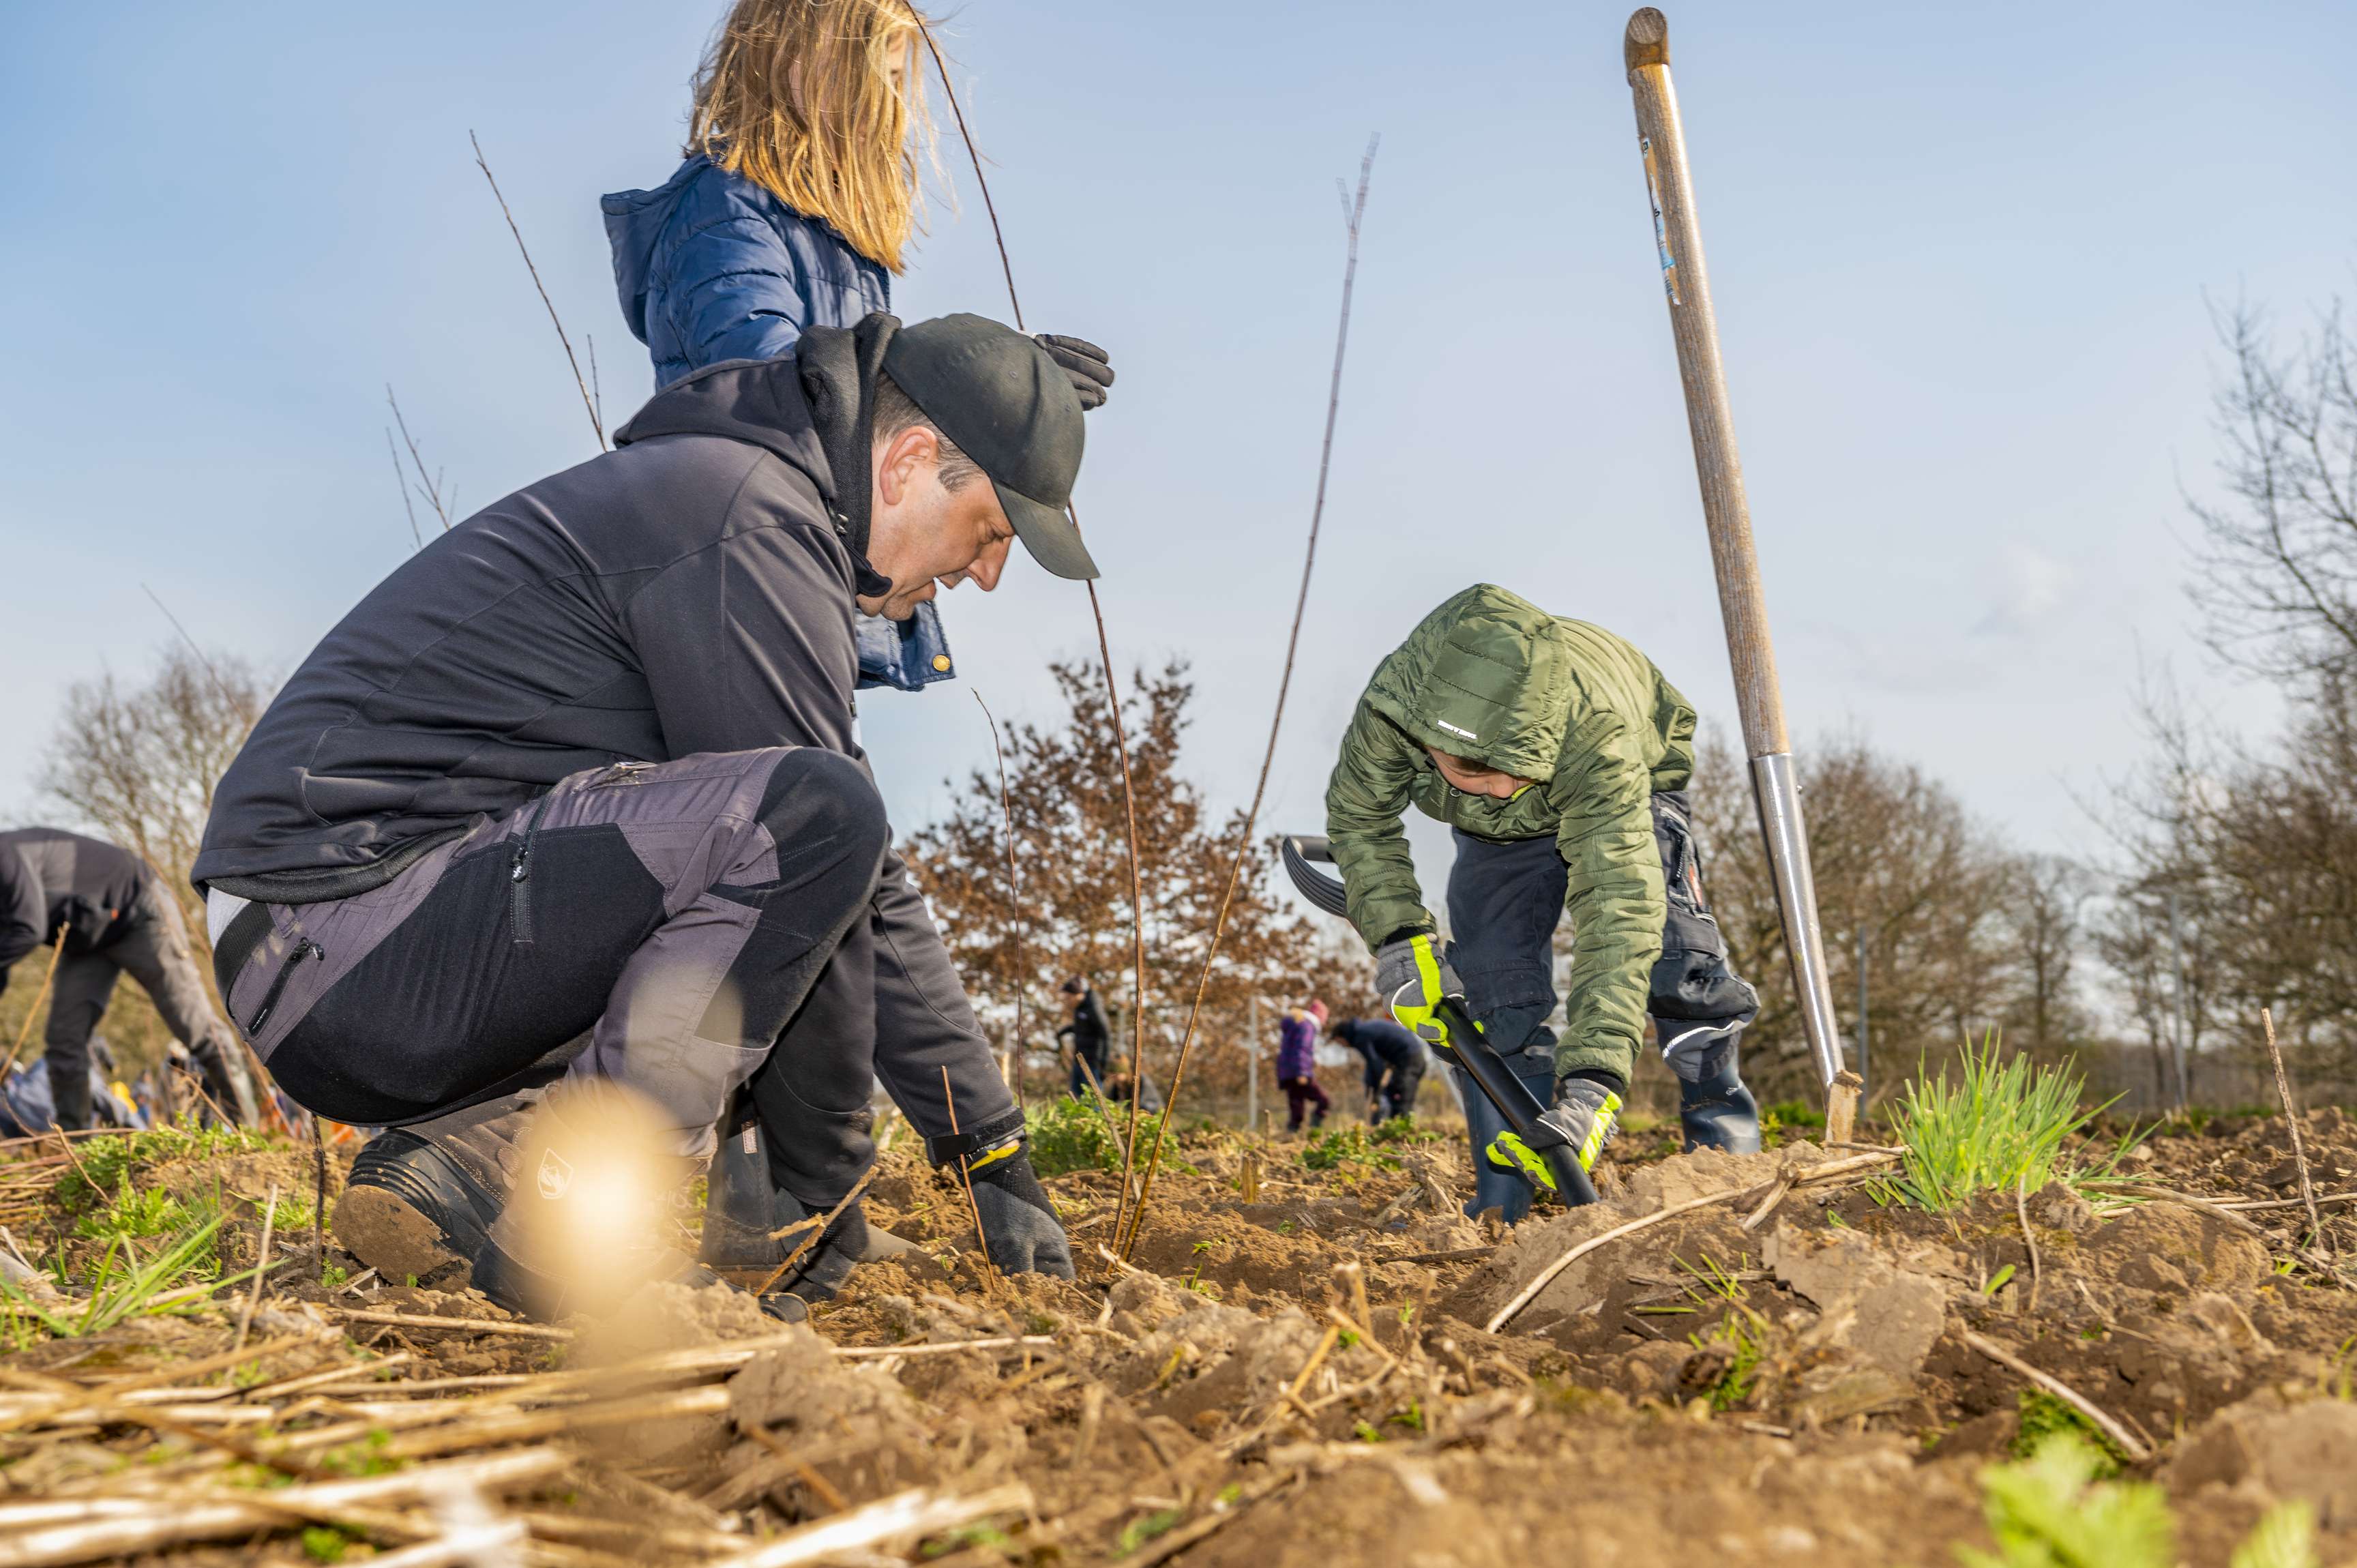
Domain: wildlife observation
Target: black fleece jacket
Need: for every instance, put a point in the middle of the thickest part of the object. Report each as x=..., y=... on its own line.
x=690, y=591
x=62, y=886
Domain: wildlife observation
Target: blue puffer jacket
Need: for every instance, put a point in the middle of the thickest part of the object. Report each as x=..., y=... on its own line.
x=710, y=266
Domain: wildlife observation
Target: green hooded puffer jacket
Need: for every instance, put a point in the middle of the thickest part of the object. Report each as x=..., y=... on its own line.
x=1490, y=677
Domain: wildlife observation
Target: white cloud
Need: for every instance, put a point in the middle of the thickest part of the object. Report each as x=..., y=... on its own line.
x=2031, y=586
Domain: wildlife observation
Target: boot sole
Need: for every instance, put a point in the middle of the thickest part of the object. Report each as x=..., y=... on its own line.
x=385, y=1232
x=411, y=1212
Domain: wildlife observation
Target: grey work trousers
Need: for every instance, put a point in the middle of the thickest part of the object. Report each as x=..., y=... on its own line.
x=720, y=920
x=152, y=946
x=1504, y=903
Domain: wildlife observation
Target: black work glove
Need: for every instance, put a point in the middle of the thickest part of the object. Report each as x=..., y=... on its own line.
x=1018, y=1222
x=1088, y=366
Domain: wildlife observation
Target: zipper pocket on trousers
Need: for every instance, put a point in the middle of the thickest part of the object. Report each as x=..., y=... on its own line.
x=304, y=947
x=520, y=880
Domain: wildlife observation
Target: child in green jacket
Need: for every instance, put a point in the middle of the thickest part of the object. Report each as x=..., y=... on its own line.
x=1559, y=756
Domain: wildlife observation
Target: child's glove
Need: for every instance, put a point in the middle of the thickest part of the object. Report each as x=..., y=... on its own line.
x=1088, y=366
x=1413, y=976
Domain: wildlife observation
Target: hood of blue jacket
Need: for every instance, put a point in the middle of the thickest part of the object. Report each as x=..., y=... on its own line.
x=634, y=226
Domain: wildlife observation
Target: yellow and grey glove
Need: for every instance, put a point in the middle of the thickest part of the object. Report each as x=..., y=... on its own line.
x=1585, y=1116
x=1413, y=974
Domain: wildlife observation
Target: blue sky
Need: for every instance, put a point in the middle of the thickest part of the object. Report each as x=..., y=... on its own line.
x=1960, y=256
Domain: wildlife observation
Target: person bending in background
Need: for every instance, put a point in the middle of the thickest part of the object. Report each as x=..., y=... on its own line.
x=107, y=912
x=1394, y=1063
x=1296, y=1064
x=1559, y=756
x=793, y=210
x=1090, y=1036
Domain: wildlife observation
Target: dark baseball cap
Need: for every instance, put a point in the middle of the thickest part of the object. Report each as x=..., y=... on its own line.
x=998, y=396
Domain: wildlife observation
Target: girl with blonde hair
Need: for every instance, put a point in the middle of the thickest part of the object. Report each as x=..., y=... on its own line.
x=802, y=184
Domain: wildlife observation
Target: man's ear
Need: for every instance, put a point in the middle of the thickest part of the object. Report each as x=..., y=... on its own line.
x=900, y=460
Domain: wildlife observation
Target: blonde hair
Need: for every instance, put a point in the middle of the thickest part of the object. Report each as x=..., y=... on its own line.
x=797, y=96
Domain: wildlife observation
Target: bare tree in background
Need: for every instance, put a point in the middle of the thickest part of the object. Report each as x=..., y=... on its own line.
x=2239, y=866
x=1896, y=855
x=2041, y=926
x=136, y=764
x=2279, y=585
x=2238, y=858
x=1073, y=914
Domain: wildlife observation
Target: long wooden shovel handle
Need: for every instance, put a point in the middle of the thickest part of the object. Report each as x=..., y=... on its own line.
x=1727, y=513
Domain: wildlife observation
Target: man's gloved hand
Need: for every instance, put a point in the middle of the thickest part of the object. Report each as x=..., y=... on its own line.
x=1413, y=976
x=1018, y=1222
x=1585, y=1116
x=1090, y=368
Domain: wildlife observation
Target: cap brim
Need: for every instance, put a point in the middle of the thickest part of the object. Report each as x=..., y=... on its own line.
x=1048, y=533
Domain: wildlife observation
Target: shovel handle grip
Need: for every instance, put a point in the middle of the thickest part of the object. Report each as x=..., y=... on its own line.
x=1512, y=1097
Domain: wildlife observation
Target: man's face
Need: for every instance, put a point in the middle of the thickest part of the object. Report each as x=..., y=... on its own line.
x=1469, y=778
x=926, y=537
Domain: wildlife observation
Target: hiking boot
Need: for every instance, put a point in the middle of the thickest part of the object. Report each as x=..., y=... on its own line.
x=421, y=1198
x=592, y=1215
x=1718, y=1113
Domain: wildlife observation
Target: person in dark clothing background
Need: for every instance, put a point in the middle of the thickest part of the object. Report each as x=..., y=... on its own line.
x=1395, y=1060
x=1089, y=1035
x=108, y=913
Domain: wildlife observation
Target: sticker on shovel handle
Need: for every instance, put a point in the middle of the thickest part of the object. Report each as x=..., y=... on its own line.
x=1660, y=229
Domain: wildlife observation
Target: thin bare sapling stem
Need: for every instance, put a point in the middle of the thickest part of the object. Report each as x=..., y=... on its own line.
x=1353, y=212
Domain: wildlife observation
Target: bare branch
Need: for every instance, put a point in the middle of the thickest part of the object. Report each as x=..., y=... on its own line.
x=430, y=485
x=588, y=404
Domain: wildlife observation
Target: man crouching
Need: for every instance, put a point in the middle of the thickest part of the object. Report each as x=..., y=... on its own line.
x=572, y=800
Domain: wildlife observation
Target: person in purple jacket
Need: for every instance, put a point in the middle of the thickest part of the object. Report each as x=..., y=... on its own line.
x=794, y=209
x=1296, y=1064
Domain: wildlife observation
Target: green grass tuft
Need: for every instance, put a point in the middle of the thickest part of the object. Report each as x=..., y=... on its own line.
x=1068, y=1134
x=325, y=1544
x=2044, y=1416
x=1404, y=1130
x=1999, y=1126
x=1351, y=1146
x=108, y=1163
x=2284, y=1537
x=136, y=1212
x=122, y=1284
x=2052, y=1510
x=1138, y=1531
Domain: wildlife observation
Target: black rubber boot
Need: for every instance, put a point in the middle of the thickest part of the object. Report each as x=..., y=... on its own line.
x=421, y=1198
x=1718, y=1113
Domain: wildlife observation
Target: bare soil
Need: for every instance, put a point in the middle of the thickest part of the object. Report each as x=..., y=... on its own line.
x=1306, y=1378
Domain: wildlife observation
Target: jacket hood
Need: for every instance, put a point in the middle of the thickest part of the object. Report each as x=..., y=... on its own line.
x=635, y=220
x=812, y=408
x=1487, y=676
x=759, y=401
